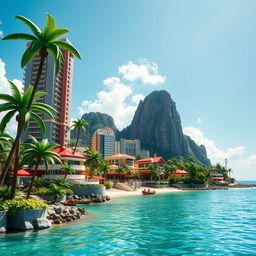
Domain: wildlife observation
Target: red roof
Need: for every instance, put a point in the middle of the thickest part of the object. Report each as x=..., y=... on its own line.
x=84, y=173
x=180, y=171
x=151, y=160
x=67, y=152
x=23, y=173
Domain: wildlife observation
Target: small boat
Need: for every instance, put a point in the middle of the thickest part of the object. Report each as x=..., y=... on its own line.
x=146, y=192
x=70, y=203
x=84, y=201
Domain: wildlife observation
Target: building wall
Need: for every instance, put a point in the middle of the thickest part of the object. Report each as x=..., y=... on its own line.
x=58, y=96
x=130, y=147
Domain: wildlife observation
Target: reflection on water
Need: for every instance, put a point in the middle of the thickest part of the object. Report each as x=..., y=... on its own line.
x=189, y=223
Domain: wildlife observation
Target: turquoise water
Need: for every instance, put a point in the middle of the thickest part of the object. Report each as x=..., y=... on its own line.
x=185, y=223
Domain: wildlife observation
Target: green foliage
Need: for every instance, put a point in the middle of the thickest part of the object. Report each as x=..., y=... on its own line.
x=56, y=191
x=67, y=169
x=60, y=182
x=17, y=103
x=41, y=192
x=108, y=185
x=5, y=192
x=68, y=192
x=44, y=41
x=3, y=206
x=39, y=182
x=17, y=204
x=93, y=161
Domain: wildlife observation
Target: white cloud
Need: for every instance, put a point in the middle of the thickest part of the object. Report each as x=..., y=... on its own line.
x=145, y=71
x=112, y=101
x=214, y=153
x=1, y=34
x=5, y=88
x=137, y=98
x=244, y=168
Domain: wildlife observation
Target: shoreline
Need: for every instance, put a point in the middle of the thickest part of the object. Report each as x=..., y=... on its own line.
x=117, y=193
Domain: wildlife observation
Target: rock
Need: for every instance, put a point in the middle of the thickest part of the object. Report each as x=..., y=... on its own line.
x=41, y=223
x=76, y=197
x=107, y=198
x=163, y=133
x=2, y=230
x=56, y=221
x=58, y=210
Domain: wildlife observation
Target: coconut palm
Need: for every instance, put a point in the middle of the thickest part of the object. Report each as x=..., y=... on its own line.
x=154, y=170
x=169, y=168
x=56, y=191
x=16, y=105
x=61, y=182
x=67, y=169
x=5, y=140
x=104, y=168
x=39, y=182
x=93, y=161
x=78, y=124
x=40, y=42
x=121, y=170
x=129, y=172
x=37, y=152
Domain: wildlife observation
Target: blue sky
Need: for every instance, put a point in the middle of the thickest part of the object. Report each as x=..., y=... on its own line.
x=205, y=51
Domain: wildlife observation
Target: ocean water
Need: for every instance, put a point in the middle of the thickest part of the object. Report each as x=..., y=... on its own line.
x=185, y=223
x=247, y=182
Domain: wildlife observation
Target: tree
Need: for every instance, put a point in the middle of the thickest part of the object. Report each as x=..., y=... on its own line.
x=121, y=170
x=16, y=104
x=61, y=182
x=104, y=167
x=138, y=157
x=129, y=172
x=40, y=42
x=5, y=140
x=39, y=182
x=93, y=161
x=37, y=152
x=169, y=168
x=67, y=169
x=78, y=124
x=154, y=170
x=56, y=191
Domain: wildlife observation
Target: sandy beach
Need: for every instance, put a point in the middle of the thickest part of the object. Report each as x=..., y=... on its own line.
x=114, y=193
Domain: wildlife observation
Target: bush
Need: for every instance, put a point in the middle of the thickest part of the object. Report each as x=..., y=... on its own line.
x=157, y=183
x=17, y=204
x=108, y=185
x=42, y=191
x=5, y=192
x=68, y=192
x=3, y=206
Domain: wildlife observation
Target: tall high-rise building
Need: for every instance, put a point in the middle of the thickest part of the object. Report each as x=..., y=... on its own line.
x=130, y=147
x=103, y=141
x=59, y=96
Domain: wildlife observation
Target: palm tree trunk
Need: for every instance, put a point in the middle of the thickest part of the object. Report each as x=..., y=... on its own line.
x=16, y=166
x=77, y=138
x=33, y=178
x=66, y=174
x=43, y=54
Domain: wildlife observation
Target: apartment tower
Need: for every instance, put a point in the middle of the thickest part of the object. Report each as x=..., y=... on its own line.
x=130, y=147
x=59, y=96
x=103, y=141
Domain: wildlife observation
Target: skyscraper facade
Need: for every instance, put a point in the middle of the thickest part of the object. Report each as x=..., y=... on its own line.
x=58, y=96
x=103, y=141
x=130, y=147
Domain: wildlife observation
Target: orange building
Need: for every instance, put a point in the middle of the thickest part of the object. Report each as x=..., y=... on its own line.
x=179, y=174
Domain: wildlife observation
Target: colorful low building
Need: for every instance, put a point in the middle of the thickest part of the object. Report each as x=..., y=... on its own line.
x=67, y=155
x=179, y=174
x=142, y=166
x=216, y=177
x=119, y=160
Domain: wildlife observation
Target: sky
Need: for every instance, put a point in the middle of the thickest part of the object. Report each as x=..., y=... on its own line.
x=202, y=52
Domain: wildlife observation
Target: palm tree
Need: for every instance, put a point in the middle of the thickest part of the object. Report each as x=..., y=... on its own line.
x=37, y=152
x=67, y=169
x=121, y=170
x=56, y=191
x=78, y=124
x=129, y=172
x=93, y=161
x=169, y=168
x=41, y=42
x=61, y=182
x=5, y=140
x=154, y=170
x=104, y=167
x=16, y=104
x=39, y=182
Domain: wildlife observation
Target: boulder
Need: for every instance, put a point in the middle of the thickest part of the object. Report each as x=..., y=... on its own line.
x=42, y=223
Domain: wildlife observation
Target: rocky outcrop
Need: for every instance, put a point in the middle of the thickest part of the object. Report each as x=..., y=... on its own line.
x=58, y=214
x=157, y=125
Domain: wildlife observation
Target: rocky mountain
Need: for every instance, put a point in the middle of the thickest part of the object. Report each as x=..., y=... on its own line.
x=96, y=121
x=157, y=124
